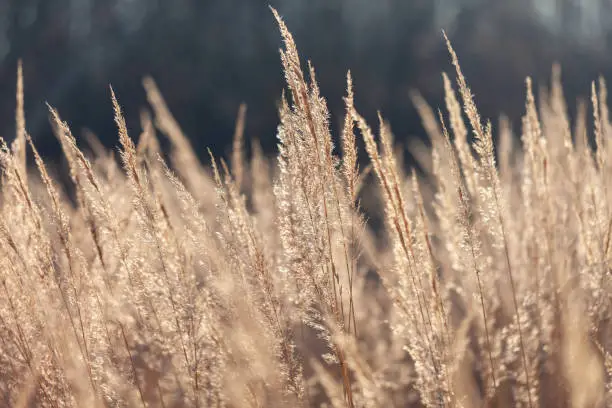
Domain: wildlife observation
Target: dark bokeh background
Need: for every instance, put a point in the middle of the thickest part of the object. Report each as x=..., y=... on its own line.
x=208, y=56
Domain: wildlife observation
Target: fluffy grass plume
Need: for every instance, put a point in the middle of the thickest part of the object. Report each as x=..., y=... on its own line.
x=159, y=281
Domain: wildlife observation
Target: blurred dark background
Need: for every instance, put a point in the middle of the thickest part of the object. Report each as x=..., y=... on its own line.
x=208, y=56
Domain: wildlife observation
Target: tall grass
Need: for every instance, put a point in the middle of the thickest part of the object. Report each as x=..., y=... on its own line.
x=162, y=282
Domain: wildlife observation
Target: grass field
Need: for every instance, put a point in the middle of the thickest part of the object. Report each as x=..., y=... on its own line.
x=157, y=281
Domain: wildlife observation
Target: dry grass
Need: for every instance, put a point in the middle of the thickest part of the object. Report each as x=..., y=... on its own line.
x=251, y=285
